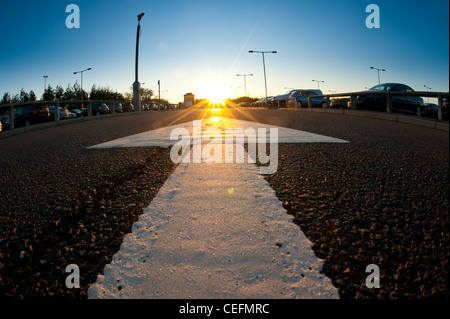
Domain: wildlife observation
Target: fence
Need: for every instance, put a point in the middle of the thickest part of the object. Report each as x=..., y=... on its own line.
x=84, y=105
x=389, y=95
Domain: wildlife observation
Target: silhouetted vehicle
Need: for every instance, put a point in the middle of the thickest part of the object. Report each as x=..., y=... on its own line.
x=116, y=107
x=435, y=107
x=4, y=122
x=402, y=104
x=128, y=107
x=63, y=113
x=302, y=98
x=31, y=114
x=339, y=103
x=430, y=110
x=97, y=108
x=77, y=112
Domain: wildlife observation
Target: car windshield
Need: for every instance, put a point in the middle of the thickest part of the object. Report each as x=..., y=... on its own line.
x=382, y=87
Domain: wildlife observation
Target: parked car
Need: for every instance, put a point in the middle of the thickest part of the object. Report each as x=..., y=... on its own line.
x=445, y=107
x=430, y=110
x=77, y=112
x=128, y=107
x=63, y=113
x=282, y=98
x=116, y=107
x=435, y=108
x=72, y=115
x=31, y=114
x=97, y=108
x=340, y=103
x=4, y=122
x=119, y=108
x=402, y=104
x=302, y=98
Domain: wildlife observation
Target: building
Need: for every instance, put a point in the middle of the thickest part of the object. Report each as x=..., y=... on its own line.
x=189, y=99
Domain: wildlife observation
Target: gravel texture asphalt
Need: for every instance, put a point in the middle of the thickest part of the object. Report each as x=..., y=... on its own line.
x=381, y=199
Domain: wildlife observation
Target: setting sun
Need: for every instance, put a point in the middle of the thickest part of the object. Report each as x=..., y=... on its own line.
x=215, y=92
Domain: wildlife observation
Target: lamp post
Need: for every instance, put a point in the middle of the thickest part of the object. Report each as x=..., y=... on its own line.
x=88, y=69
x=264, y=66
x=373, y=68
x=45, y=82
x=318, y=83
x=245, y=81
x=235, y=87
x=136, y=84
x=428, y=88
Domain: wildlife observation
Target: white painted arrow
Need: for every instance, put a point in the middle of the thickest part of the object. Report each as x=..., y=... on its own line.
x=214, y=231
x=161, y=136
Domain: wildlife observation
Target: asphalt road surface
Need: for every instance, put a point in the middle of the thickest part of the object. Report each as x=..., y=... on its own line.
x=381, y=199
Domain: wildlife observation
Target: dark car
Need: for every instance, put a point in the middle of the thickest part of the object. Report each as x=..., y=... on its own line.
x=4, y=122
x=435, y=109
x=128, y=107
x=339, y=103
x=31, y=114
x=430, y=110
x=402, y=104
x=63, y=113
x=97, y=108
x=302, y=98
x=77, y=112
x=118, y=108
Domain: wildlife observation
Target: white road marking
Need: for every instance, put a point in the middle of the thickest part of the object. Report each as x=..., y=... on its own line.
x=161, y=136
x=214, y=231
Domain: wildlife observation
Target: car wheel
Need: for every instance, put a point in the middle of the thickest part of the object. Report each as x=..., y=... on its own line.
x=324, y=105
x=299, y=104
x=27, y=123
x=419, y=111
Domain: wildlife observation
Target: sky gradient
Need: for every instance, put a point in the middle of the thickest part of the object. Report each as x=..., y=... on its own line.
x=190, y=44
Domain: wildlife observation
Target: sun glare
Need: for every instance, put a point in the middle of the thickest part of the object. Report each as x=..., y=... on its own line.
x=216, y=93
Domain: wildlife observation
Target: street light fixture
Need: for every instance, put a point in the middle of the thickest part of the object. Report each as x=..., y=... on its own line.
x=264, y=66
x=318, y=83
x=88, y=69
x=373, y=68
x=136, y=84
x=245, y=81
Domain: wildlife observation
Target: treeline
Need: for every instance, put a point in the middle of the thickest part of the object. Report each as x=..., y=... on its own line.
x=74, y=92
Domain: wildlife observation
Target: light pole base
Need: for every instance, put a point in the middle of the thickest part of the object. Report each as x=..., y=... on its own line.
x=137, y=96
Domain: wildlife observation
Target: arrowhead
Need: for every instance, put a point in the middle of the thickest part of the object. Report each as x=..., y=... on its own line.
x=161, y=137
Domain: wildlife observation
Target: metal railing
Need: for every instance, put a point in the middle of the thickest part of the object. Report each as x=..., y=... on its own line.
x=11, y=108
x=389, y=98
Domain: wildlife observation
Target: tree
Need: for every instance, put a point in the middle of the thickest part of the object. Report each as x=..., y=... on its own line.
x=146, y=94
x=6, y=99
x=59, y=92
x=69, y=94
x=23, y=97
x=32, y=96
x=77, y=91
x=49, y=94
x=99, y=93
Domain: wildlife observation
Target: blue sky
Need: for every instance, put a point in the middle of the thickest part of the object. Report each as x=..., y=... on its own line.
x=189, y=44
